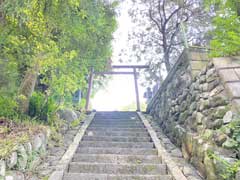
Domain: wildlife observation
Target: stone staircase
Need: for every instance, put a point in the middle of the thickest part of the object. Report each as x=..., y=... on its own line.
x=116, y=146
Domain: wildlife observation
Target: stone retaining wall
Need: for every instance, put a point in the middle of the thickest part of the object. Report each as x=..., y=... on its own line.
x=26, y=157
x=195, y=107
x=38, y=158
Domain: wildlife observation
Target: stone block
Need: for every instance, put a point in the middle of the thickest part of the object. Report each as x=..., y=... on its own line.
x=228, y=117
x=216, y=91
x=224, y=62
x=213, y=84
x=14, y=175
x=203, y=104
x=198, y=65
x=217, y=101
x=237, y=71
x=199, y=118
x=202, y=79
x=209, y=168
x=198, y=56
x=219, y=137
x=2, y=168
x=211, y=73
x=22, y=157
x=236, y=104
x=37, y=142
x=228, y=75
x=12, y=160
x=220, y=112
x=234, y=89
x=237, y=177
x=28, y=147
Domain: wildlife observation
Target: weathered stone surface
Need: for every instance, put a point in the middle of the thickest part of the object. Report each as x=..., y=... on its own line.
x=216, y=91
x=228, y=117
x=217, y=101
x=203, y=104
x=203, y=112
x=199, y=117
x=210, y=168
x=28, y=147
x=2, y=168
x=220, y=138
x=12, y=160
x=228, y=75
x=22, y=157
x=220, y=112
x=68, y=115
x=211, y=72
x=212, y=85
x=237, y=177
x=234, y=89
x=176, y=153
x=33, y=164
x=183, y=117
x=14, y=175
x=202, y=79
x=192, y=108
x=37, y=142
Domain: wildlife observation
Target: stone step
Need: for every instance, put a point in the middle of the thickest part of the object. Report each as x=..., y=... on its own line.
x=118, y=129
x=116, y=117
x=103, y=168
x=117, y=133
x=117, y=121
x=116, y=139
x=112, y=158
x=116, y=144
x=117, y=126
x=124, y=151
x=87, y=176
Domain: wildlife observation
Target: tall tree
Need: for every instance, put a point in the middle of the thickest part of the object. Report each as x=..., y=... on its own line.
x=165, y=26
x=226, y=22
x=59, y=40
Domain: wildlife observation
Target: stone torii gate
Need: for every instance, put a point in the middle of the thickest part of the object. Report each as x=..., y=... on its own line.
x=133, y=72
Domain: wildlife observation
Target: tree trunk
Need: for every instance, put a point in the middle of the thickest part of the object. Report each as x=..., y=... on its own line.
x=167, y=62
x=27, y=88
x=238, y=8
x=166, y=58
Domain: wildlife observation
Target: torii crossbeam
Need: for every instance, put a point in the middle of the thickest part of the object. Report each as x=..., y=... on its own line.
x=134, y=73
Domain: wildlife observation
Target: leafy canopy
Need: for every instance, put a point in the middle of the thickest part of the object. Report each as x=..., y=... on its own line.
x=226, y=33
x=64, y=37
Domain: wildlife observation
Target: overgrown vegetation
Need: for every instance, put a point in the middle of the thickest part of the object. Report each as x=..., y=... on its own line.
x=226, y=22
x=46, y=50
x=230, y=169
x=14, y=133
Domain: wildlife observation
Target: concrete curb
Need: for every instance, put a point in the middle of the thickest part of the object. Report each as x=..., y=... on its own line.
x=68, y=155
x=166, y=158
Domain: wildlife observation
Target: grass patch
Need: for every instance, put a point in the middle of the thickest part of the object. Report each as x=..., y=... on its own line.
x=14, y=133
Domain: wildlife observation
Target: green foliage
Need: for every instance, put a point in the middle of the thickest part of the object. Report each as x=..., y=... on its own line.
x=9, y=145
x=42, y=107
x=226, y=33
x=76, y=122
x=230, y=169
x=234, y=128
x=7, y=107
x=65, y=38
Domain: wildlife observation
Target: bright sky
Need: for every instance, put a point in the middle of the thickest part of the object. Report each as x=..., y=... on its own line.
x=120, y=90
